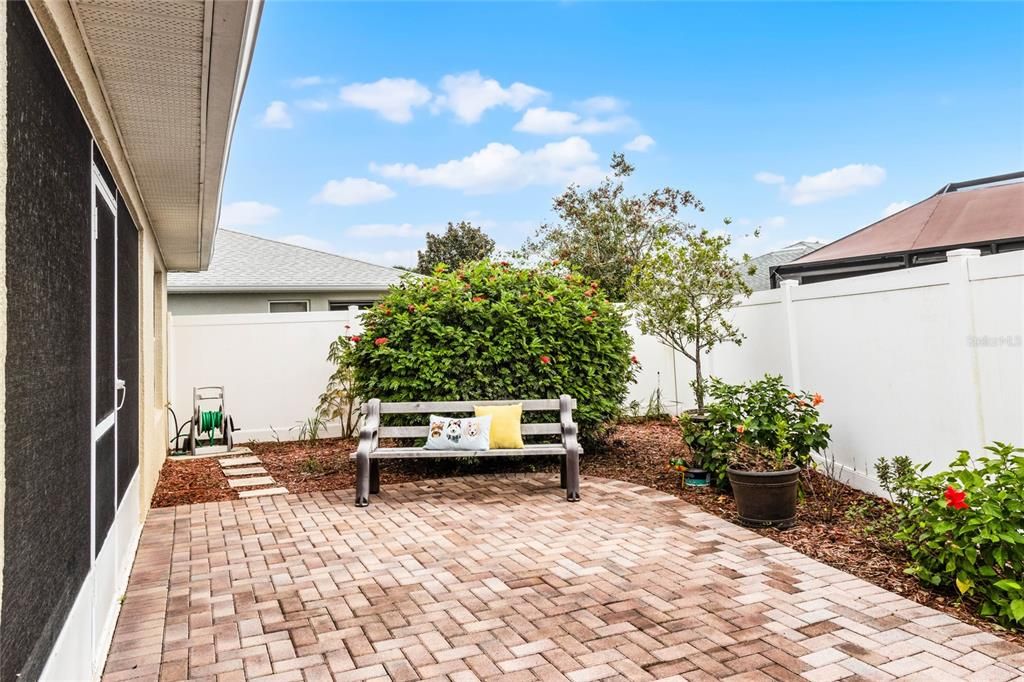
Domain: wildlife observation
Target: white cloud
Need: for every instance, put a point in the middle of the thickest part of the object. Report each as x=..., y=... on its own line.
x=307, y=81
x=896, y=207
x=838, y=182
x=242, y=213
x=766, y=178
x=276, y=115
x=313, y=104
x=544, y=121
x=601, y=104
x=640, y=143
x=352, y=192
x=389, y=258
x=376, y=230
x=392, y=98
x=502, y=167
x=775, y=221
x=468, y=95
x=308, y=242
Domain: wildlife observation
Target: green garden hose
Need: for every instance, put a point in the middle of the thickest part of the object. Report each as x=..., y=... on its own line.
x=208, y=421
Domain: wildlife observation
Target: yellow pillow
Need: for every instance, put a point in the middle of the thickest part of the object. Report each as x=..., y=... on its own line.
x=505, y=431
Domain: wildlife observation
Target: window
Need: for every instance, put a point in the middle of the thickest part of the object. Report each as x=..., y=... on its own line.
x=289, y=306
x=343, y=305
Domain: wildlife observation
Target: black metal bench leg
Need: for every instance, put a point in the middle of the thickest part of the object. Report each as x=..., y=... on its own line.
x=561, y=478
x=362, y=480
x=374, y=476
x=572, y=465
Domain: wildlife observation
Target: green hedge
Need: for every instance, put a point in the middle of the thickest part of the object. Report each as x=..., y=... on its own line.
x=490, y=331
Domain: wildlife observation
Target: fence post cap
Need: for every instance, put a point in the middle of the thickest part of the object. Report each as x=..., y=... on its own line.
x=963, y=253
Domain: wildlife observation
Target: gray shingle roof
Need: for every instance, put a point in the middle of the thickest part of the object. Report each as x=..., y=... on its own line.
x=761, y=279
x=242, y=262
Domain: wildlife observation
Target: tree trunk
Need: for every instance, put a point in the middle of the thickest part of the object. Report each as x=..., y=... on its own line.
x=698, y=388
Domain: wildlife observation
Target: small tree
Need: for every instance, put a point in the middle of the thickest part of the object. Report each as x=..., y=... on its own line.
x=604, y=232
x=460, y=243
x=682, y=292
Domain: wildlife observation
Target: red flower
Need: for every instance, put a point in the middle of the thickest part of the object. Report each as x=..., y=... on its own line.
x=545, y=360
x=549, y=298
x=588, y=292
x=504, y=263
x=568, y=278
x=380, y=340
x=434, y=289
x=955, y=498
x=741, y=428
x=412, y=308
x=634, y=360
x=818, y=400
x=477, y=299
x=588, y=319
x=355, y=339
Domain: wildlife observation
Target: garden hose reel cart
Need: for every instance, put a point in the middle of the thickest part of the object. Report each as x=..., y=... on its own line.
x=212, y=428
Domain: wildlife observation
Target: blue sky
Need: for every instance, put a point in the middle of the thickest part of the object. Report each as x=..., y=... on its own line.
x=365, y=124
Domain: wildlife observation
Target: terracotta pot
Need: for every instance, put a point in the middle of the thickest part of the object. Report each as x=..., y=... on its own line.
x=765, y=498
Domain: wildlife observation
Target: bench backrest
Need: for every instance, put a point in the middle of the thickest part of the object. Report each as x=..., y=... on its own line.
x=428, y=408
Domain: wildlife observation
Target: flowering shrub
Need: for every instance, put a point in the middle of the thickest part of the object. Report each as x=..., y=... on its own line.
x=964, y=530
x=762, y=415
x=493, y=331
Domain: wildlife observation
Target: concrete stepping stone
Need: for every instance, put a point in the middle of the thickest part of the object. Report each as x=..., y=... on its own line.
x=244, y=471
x=238, y=461
x=260, y=492
x=250, y=482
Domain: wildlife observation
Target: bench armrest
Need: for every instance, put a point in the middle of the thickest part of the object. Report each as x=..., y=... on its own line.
x=570, y=429
x=371, y=425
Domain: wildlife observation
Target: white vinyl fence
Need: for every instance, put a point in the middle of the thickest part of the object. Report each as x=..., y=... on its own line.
x=920, y=362
x=272, y=366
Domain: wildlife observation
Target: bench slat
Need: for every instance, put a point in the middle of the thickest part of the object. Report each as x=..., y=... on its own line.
x=410, y=453
x=421, y=431
x=545, y=404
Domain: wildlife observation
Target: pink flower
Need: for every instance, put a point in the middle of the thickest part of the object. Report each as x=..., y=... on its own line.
x=380, y=340
x=545, y=360
x=355, y=339
x=634, y=360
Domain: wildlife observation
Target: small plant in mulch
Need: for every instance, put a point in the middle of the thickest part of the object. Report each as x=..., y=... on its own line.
x=962, y=528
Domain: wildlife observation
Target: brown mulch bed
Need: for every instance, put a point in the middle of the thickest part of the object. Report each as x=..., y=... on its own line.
x=637, y=452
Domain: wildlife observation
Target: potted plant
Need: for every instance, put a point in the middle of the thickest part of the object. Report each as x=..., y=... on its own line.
x=756, y=438
x=764, y=484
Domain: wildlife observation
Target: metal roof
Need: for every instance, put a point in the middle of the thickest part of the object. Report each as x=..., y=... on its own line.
x=959, y=214
x=243, y=262
x=761, y=279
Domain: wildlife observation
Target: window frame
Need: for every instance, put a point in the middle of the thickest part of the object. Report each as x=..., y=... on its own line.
x=271, y=302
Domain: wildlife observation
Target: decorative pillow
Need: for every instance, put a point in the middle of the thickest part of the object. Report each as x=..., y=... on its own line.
x=467, y=433
x=506, y=433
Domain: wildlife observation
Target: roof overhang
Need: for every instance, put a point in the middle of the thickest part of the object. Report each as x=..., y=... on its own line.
x=275, y=290
x=159, y=84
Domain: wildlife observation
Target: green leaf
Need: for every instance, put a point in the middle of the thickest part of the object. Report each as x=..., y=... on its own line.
x=1008, y=585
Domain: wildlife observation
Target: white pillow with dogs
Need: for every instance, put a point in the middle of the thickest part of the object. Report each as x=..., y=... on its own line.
x=467, y=433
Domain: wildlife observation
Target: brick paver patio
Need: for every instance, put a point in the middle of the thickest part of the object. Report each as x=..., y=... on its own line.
x=499, y=577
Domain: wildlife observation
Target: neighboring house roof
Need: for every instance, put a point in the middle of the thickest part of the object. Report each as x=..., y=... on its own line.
x=242, y=262
x=959, y=214
x=761, y=279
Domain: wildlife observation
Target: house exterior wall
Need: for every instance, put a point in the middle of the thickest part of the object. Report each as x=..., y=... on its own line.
x=228, y=304
x=58, y=599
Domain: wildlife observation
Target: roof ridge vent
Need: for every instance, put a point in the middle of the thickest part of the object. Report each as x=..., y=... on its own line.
x=991, y=180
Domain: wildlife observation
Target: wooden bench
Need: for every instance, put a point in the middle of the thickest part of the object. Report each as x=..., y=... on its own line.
x=369, y=453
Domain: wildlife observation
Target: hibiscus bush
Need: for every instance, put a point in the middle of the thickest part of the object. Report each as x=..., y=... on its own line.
x=964, y=530
x=764, y=415
x=491, y=331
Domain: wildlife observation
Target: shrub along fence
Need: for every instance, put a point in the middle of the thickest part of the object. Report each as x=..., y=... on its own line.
x=920, y=362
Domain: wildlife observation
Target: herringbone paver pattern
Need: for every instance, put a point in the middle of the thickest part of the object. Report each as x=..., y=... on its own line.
x=500, y=578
